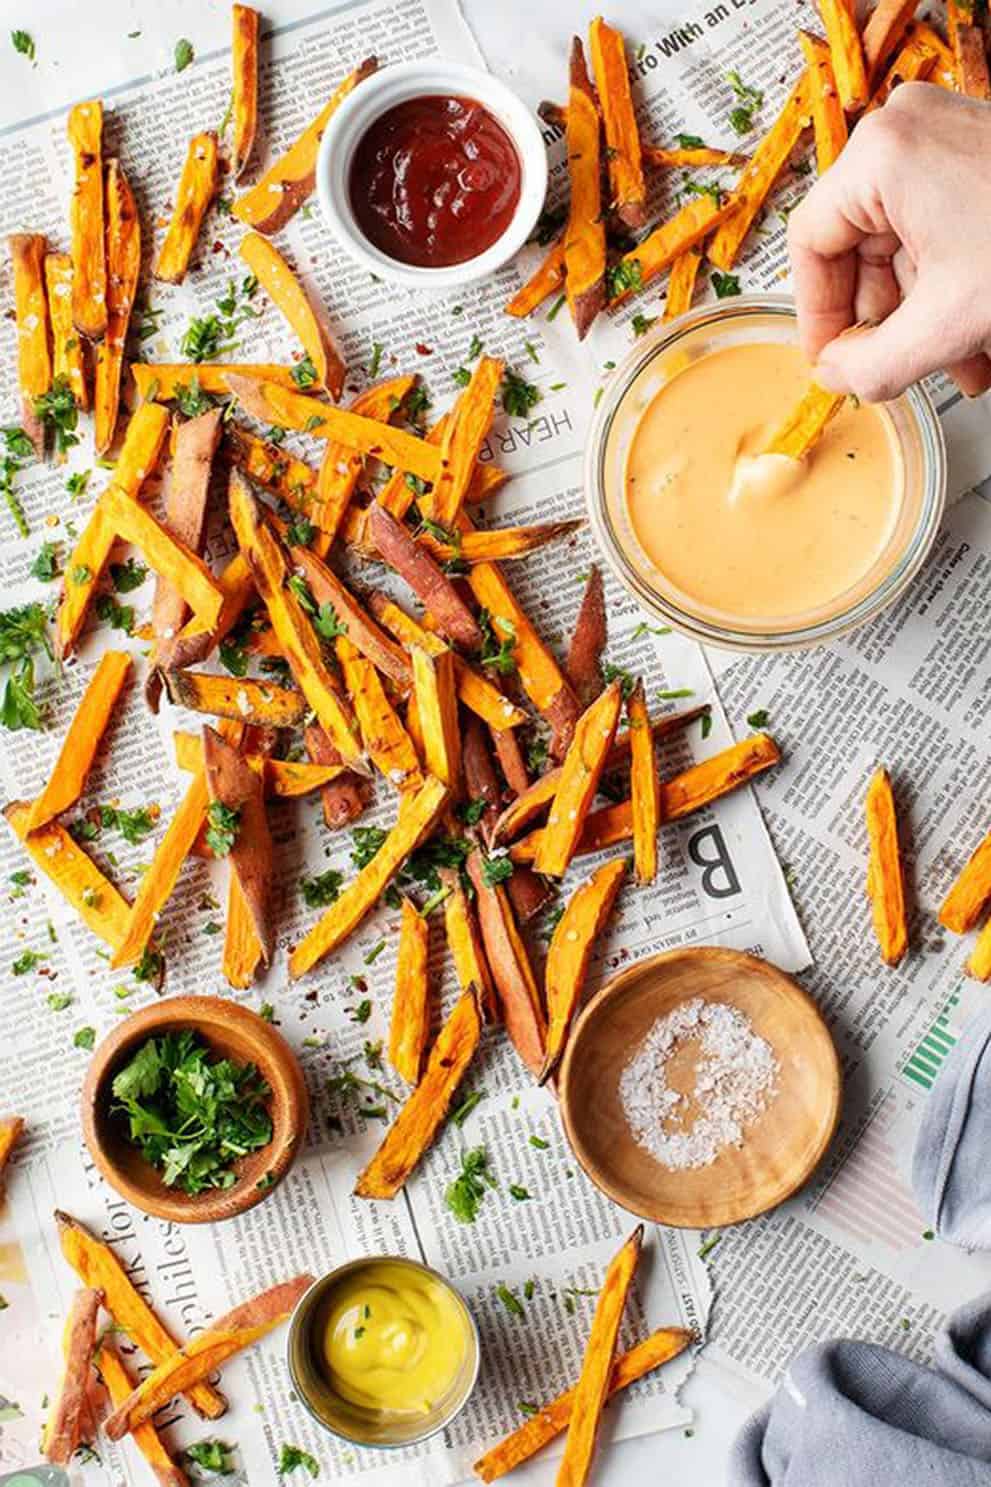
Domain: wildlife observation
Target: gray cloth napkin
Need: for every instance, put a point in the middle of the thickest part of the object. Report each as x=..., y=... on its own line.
x=951, y=1172
x=854, y=1414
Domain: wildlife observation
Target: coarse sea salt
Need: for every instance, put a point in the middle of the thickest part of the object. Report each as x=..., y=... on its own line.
x=735, y=1078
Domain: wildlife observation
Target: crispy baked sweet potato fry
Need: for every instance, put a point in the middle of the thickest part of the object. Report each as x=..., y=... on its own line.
x=287, y=183
x=187, y=572
x=516, y=989
x=417, y=814
x=847, y=53
x=542, y=283
x=658, y=251
x=368, y=637
x=271, y=466
x=195, y=641
x=437, y=711
x=389, y=746
x=689, y=791
x=240, y=698
x=828, y=118
x=67, y=1412
x=431, y=585
x=74, y=873
x=398, y=494
x=886, y=25
x=585, y=233
x=199, y=1357
x=244, y=90
x=123, y=268
x=549, y=1421
x=346, y=797
x=418, y=1122
x=158, y=381
x=197, y=188
x=579, y=782
x=496, y=543
x=284, y=778
x=307, y=322
x=161, y=877
x=233, y=783
x=480, y=779
x=86, y=221
x=464, y=434
x=943, y=72
x=681, y=283
x=97, y=1265
x=645, y=790
x=194, y=445
x=511, y=761
x=885, y=885
x=68, y=360
x=915, y=61
x=966, y=900
x=119, y=1385
x=409, y=1030
x=34, y=361
x=11, y=1127
x=297, y=638
x=803, y=427
x=680, y=157
x=341, y=468
x=759, y=175
x=584, y=664
x=979, y=960
x=969, y=51
x=528, y=893
x=82, y=739
x=592, y=1388
x=627, y=189
x=570, y=951
x=465, y=942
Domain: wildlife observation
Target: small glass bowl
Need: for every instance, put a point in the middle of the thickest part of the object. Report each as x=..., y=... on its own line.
x=634, y=384
x=350, y=1422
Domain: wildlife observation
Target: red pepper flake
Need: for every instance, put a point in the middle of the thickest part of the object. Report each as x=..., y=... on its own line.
x=422, y=350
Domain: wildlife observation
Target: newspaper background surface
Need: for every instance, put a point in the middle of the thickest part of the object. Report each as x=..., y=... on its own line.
x=764, y=1274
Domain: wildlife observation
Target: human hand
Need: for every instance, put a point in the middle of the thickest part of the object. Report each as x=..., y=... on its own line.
x=897, y=234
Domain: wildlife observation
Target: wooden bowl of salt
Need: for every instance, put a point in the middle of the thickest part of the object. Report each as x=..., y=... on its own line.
x=700, y=1087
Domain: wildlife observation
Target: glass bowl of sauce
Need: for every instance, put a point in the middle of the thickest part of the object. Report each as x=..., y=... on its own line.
x=431, y=174
x=740, y=549
x=383, y=1352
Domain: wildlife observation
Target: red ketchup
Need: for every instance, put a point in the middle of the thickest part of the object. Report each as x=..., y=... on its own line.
x=435, y=181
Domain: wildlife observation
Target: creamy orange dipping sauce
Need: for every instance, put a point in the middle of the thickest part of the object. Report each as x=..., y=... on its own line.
x=758, y=537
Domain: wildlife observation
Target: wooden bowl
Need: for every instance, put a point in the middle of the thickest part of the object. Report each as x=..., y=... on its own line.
x=230, y=1031
x=781, y=1147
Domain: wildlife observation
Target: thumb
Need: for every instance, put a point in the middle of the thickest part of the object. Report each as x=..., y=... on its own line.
x=878, y=363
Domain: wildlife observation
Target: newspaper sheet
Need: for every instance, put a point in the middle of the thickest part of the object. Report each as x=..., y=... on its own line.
x=720, y=881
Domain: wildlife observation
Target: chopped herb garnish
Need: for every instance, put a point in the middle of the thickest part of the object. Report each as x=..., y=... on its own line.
x=84, y=1037
x=362, y=1012
x=26, y=962
x=223, y=823
x=461, y=1112
x=211, y=1455
x=758, y=719
x=521, y=1194
x=373, y=954
x=511, y=1302
x=376, y=361
x=555, y=308
x=518, y=395
x=709, y=1245
x=623, y=277
x=59, y=1000
x=470, y=811
x=496, y=869
x=23, y=42
x=725, y=285
x=183, y=54
x=750, y=100
x=496, y=652
x=538, y=1143
x=461, y=376
x=300, y=532
x=133, y=826
x=690, y=142
x=706, y=724
x=45, y=566
x=150, y=966
x=190, y=398
x=673, y=693
x=76, y=484
x=465, y=1194
x=127, y=576
x=328, y=623
x=627, y=681
x=367, y=841
x=266, y=1012
x=527, y=1407
x=292, y=1456
x=323, y=890
x=640, y=324
x=304, y=373
x=475, y=348
x=58, y=412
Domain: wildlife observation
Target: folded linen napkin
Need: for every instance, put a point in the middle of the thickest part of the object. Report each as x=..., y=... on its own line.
x=951, y=1172
x=854, y=1413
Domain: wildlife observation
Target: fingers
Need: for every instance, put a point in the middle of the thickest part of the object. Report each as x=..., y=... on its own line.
x=972, y=375
x=877, y=294
x=919, y=337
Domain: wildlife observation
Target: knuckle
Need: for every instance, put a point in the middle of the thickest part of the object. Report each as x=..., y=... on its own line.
x=885, y=135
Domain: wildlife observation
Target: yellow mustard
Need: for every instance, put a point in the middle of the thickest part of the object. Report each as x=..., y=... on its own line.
x=394, y=1339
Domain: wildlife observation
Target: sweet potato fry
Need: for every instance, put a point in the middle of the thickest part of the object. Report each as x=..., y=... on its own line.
x=549, y=1421
x=583, y=666
x=412, y=562
x=119, y=1385
x=847, y=53
x=417, y=814
x=592, y=1388
x=418, y=1122
x=580, y=775
x=511, y=761
x=187, y=488
x=82, y=739
x=943, y=72
x=307, y=322
x=96, y=1264
x=284, y=778
x=886, y=25
x=34, y=361
x=481, y=781
x=158, y=381
x=969, y=54
x=409, y=1030
x=346, y=797
x=517, y=993
x=528, y=893
x=681, y=283
x=885, y=885
x=76, y=876
x=244, y=95
x=187, y=572
x=914, y=62
x=979, y=960
x=123, y=267
x=803, y=427
x=197, y=188
x=465, y=942
x=240, y=698
x=398, y=494
x=66, y=1415
x=627, y=189
x=232, y=783
x=11, y=1127
x=545, y=281
x=585, y=233
x=645, y=791
x=341, y=468
x=464, y=434
x=297, y=638
x=161, y=877
x=68, y=361
x=689, y=791
x=437, y=711
x=86, y=221
x=287, y=183
x=539, y=673
x=667, y=242
x=268, y=465
x=368, y=637
x=192, y=1363
x=680, y=157
x=389, y=746
x=195, y=641
x=828, y=118
x=758, y=177
x=967, y=898
x=497, y=543
x=570, y=951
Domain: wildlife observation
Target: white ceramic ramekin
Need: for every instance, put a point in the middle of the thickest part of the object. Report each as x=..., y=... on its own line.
x=382, y=91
